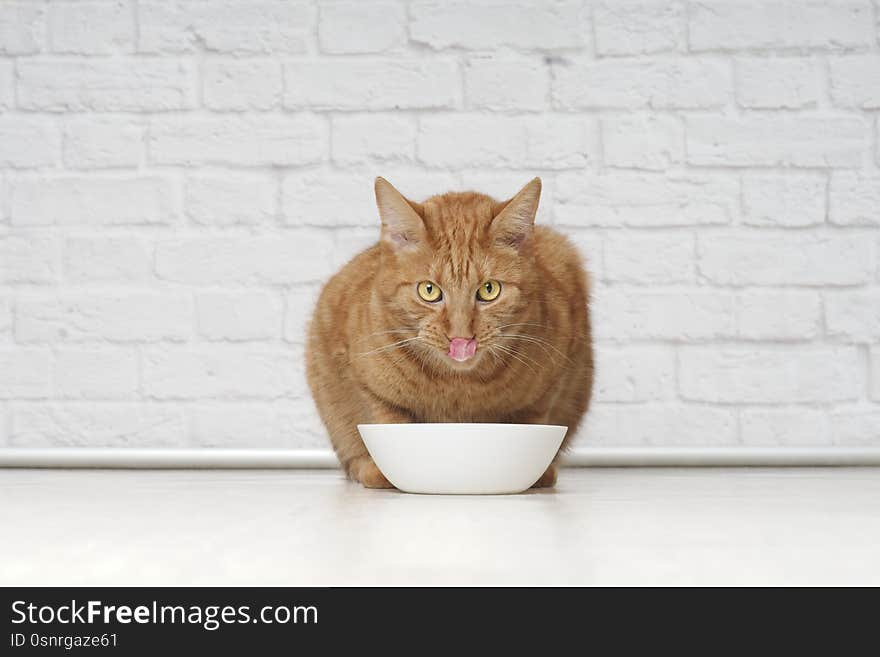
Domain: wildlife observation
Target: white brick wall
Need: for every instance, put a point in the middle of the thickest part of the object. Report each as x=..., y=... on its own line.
x=177, y=177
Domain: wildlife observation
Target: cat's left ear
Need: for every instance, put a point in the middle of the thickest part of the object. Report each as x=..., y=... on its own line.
x=515, y=219
x=402, y=225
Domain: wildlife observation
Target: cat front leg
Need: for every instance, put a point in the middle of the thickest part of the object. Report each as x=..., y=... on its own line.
x=548, y=479
x=362, y=468
x=384, y=413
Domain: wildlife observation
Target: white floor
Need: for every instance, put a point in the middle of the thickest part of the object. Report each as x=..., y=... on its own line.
x=600, y=526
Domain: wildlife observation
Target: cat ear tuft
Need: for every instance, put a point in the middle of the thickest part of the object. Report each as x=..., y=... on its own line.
x=402, y=225
x=515, y=219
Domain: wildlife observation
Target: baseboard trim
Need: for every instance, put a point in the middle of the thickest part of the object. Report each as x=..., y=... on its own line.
x=212, y=458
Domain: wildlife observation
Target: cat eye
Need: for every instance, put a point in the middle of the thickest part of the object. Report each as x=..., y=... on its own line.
x=489, y=291
x=429, y=291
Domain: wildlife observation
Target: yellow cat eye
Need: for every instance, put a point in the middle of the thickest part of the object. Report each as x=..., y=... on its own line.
x=489, y=291
x=429, y=291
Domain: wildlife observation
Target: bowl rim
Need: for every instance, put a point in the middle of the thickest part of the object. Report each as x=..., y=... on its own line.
x=461, y=424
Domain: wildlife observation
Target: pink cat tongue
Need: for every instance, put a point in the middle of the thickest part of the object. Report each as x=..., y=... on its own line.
x=461, y=349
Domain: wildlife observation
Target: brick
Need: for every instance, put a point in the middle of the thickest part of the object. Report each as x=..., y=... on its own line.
x=634, y=84
x=238, y=140
x=249, y=315
x=122, y=260
x=680, y=315
x=763, y=83
x=652, y=142
x=96, y=143
x=299, y=306
x=506, y=84
x=287, y=423
x=96, y=373
x=875, y=373
x=222, y=371
x=24, y=373
x=634, y=374
x=22, y=27
x=7, y=92
x=320, y=198
x=648, y=199
x=294, y=257
x=780, y=25
x=76, y=424
x=784, y=427
x=853, y=315
x=784, y=258
x=27, y=142
x=877, y=146
x=653, y=259
x=854, y=81
x=775, y=200
x=590, y=244
x=242, y=208
x=768, y=375
x=558, y=142
x=232, y=425
x=92, y=200
x=367, y=84
x=5, y=317
x=668, y=425
x=236, y=84
x=297, y=420
x=420, y=185
x=854, y=199
x=638, y=27
x=500, y=184
x=226, y=199
x=130, y=316
x=358, y=27
x=28, y=258
x=779, y=315
x=229, y=26
x=246, y=425
x=92, y=27
x=856, y=428
x=804, y=141
x=106, y=85
x=350, y=243
x=489, y=24
x=362, y=138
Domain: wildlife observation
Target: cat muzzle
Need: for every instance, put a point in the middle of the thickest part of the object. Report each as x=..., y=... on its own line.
x=462, y=349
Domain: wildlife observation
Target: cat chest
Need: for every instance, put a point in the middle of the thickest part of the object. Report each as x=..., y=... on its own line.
x=464, y=401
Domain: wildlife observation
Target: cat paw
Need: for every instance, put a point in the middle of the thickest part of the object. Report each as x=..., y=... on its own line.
x=364, y=470
x=548, y=479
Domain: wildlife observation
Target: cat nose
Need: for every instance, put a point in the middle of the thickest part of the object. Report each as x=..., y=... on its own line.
x=462, y=349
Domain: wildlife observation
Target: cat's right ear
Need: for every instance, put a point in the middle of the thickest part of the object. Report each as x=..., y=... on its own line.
x=515, y=219
x=402, y=225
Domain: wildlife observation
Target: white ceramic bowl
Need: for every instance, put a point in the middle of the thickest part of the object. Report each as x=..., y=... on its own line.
x=462, y=459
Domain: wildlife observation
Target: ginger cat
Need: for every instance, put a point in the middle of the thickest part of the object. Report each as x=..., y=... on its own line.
x=463, y=312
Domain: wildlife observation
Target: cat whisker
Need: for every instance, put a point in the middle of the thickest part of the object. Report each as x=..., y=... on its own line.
x=405, y=329
x=495, y=357
x=387, y=347
x=539, y=341
x=529, y=358
x=515, y=357
x=513, y=354
x=544, y=326
x=543, y=347
x=523, y=324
